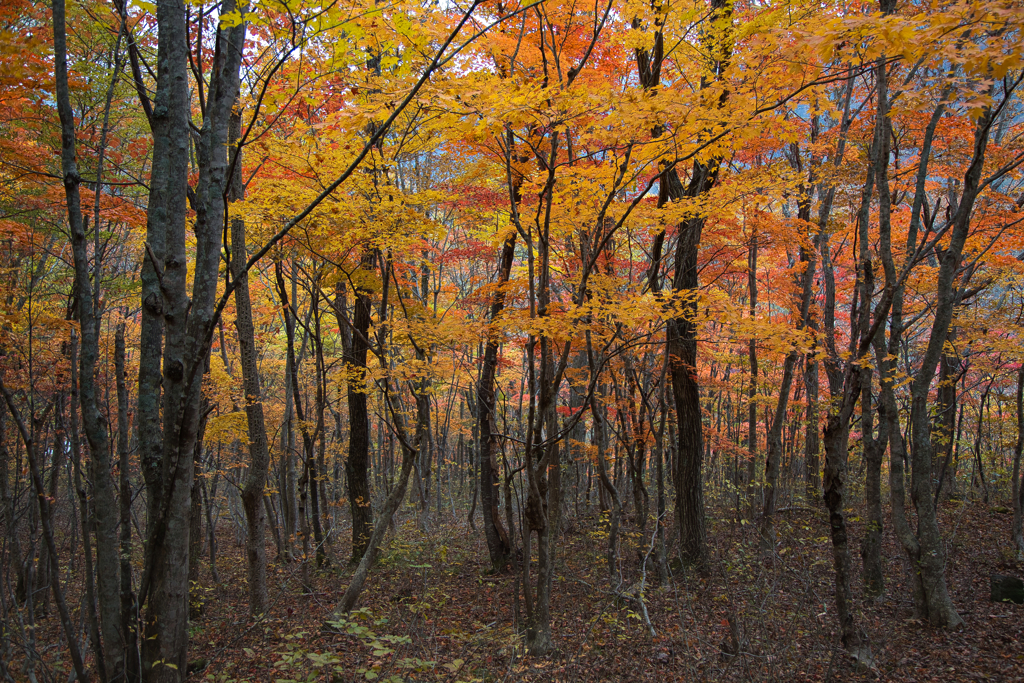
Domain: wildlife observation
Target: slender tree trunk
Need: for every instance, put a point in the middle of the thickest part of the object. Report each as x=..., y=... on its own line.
x=775, y=449
x=812, y=443
x=874, y=453
x=946, y=420
x=885, y=356
x=85, y=512
x=357, y=464
x=1018, y=490
x=659, y=455
x=307, y=482
x=539, y=451
x=845, y=384
x=752, y=386
x=89, y=316
x=303, y=491
x=498, y=544
x=259, y=452
x=394, y=499
x=597, y=411
x=195, y=532
x=129, y=607
x=317, y=465
x=424, y=439
x=286, y=465
x=932, y=561
x=805, y=283
x=873, y=448
x=28, y=436
x=835, y=441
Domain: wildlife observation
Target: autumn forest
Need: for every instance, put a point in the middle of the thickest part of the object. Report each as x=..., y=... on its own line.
x=511, y=340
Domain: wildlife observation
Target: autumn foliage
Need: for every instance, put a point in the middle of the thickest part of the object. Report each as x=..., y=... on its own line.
x=348, y=281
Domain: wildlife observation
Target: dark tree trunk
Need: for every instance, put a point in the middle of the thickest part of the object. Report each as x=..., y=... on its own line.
x=682, y=354
x=28, y=435
x=129, y=607
x=85, y=511
x=945, y=421
x=873, y=448
x=874, y=453
x=752, y=386
x=317, y=464
x=835, y=441
x=391, y=504
x=497, y=538
x=1017, y=531
x=307, y=483
x=682, y=336
x=163, y=267
x=812, y=443
x=357, y=464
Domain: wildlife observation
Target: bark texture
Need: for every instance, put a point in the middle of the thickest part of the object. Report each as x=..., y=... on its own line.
x=259, y=452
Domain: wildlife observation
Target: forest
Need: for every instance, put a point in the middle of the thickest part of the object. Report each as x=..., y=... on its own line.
x=511, y=340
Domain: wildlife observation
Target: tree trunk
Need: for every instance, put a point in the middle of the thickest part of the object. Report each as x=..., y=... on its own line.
x=394, y=499
x=494, y=532
x=317, y=466
x=873, y=448
x=129, y=621
x=259, y=451
x=682, y=354
x=28, y=436
x=751, y=468
x=163, y=267
x=85, y=511
x=812, y=443
x=945, y=421
x=773, y=461
x=108, y=567
x=1018, y=490
x=932, y=561
x=187, y=321
x=874, y=453
x=599, y=416
x=357, y=464
x=682, y=339
x=805, y=283
x=835, y=440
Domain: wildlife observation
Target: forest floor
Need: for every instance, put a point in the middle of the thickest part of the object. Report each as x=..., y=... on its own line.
x=431, y=611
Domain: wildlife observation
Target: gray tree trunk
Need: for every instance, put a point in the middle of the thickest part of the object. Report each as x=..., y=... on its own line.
x=108, y=568
x=259, y=452
x=932, y=560
x=169, y=423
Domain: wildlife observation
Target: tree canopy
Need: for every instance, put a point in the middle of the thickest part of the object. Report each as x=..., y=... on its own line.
x=304, y=269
